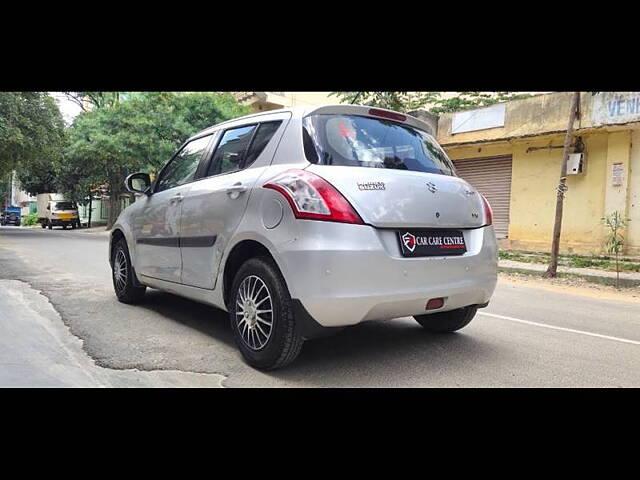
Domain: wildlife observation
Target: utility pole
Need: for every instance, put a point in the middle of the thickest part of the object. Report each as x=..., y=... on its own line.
x=90, y=207
x=574, y=113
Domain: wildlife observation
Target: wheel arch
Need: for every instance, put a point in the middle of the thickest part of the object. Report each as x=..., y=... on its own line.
x=119, y=233
x=240, y=253
x=116, y=235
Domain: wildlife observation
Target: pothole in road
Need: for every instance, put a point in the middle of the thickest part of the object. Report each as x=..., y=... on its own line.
x=40, y=350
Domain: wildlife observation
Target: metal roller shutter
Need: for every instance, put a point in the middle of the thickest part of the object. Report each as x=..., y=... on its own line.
x=492, y=178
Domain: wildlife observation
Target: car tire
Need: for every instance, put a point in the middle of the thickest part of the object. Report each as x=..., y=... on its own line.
x=447, y=322
x=264, y=346
x=43, y=225
x=49, y=226
x=123, y=275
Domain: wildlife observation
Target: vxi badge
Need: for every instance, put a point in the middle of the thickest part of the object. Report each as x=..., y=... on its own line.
x=371, y=185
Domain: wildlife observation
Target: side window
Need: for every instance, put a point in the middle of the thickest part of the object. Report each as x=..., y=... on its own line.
x=182, y=168
x=230, y=152
x=264, y=134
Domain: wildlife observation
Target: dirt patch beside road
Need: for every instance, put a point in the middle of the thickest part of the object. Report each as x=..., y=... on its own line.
x=573, y=285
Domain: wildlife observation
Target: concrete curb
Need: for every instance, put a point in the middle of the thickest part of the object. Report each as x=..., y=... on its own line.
x=93, y=232
x=601, y=279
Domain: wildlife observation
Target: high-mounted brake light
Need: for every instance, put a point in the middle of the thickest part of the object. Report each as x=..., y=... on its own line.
x=383, y=113
x=313, y=198
x=488, y=212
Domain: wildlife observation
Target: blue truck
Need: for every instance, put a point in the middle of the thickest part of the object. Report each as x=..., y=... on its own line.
x=11, y=216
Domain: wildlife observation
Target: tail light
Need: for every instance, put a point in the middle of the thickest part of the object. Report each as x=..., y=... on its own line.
x=313, y=198
x=488, y=212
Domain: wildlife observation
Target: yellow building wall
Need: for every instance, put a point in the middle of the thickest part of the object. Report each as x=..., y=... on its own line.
x=633, y=201
x=532, y=117
x=540, y=121
x=582, y=230
x=542, y=114
x=618, y=153
x=534, y=179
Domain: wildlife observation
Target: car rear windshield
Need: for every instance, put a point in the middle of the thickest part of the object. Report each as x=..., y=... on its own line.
x=353, y=140
x=65, y=206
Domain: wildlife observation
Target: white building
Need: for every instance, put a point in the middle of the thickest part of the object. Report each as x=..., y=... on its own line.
x=18, y=197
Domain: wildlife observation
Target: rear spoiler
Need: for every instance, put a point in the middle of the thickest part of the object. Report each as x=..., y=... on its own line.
x=373, y=112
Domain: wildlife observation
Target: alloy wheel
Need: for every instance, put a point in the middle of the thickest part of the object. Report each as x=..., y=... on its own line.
x=120, y=270
x=254, y=312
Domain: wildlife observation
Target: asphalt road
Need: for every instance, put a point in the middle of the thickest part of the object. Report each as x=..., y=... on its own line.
x=57, y=302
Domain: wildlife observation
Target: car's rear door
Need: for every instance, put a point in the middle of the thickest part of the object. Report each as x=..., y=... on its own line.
x=408, y=182
x=214, y=205
x=156, y=226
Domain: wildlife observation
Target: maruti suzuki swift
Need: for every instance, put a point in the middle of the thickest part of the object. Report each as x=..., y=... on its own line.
x=299, y=222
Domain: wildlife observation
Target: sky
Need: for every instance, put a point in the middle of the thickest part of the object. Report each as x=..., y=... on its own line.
x=68, y=108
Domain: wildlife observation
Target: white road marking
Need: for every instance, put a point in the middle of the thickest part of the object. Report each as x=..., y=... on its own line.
x=563, y=329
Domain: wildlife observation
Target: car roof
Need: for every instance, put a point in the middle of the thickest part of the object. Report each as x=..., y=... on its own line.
x=300, y=112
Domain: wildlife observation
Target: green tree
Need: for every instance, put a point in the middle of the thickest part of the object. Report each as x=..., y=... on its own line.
x=39, y=175
x=77, y=179
x=400, y=101
x=31, y=130
x=95, y=100
x=616, y=223
x=432, y=101
x=136, y=133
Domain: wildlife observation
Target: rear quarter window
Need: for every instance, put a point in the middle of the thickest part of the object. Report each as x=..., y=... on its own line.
x=262, y=137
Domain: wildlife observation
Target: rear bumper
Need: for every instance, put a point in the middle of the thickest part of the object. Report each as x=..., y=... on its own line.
x=345, y=274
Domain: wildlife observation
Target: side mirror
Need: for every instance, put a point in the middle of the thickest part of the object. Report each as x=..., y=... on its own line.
x=138, y=183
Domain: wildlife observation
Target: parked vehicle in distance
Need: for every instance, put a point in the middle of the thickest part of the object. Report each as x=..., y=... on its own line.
x=11, y=216
x=302, y=221
x=55, y=211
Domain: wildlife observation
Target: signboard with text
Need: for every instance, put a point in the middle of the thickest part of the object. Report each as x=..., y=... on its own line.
x=615, y=107
x=478, y=119
x=617, y=174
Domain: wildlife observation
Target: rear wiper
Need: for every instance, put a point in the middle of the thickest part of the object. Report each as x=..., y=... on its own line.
x=395, y=163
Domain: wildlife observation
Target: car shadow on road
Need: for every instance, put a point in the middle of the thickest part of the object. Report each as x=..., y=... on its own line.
x=198, y=316
x=399, y=350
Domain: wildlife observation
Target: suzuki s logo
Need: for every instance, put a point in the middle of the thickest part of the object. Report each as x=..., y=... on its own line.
x=409, y=241
x=432, y=187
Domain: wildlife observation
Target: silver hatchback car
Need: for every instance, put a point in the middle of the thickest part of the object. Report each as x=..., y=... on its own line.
x=299, y=222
